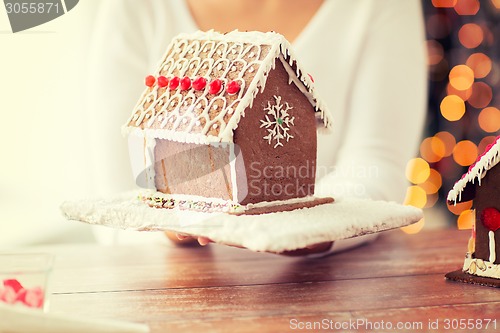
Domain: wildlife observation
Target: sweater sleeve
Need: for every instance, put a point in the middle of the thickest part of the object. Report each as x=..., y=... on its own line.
x=118, y=62
x=386, y=107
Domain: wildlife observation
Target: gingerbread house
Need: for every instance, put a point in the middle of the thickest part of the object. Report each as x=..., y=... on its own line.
x=227, y=120
x=482, y=184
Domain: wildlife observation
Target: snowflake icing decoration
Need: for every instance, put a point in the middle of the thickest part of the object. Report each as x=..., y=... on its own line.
x=279, y=123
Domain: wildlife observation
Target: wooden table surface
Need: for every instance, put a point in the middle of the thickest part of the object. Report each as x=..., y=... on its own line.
x=397, y=279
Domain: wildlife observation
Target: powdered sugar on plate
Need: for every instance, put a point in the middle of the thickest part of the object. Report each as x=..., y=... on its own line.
x=274, y=232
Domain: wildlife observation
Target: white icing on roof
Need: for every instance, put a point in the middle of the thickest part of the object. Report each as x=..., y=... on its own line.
x=477, y=171
x=199, y=116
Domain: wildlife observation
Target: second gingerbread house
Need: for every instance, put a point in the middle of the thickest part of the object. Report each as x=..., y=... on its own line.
x=482, y=184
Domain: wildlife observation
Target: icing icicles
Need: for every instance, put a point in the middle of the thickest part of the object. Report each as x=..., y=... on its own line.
x=490, y=217
x=477, y=171
x=491, y=236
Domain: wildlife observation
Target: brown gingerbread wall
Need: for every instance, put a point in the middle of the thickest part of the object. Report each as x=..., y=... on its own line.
x=187, y=168
x=286, y=171
x=487, y=195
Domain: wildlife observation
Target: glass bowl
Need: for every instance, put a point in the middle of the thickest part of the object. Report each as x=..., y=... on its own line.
x=24, y=279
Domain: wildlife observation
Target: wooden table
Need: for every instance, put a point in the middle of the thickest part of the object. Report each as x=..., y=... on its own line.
x=399, y=278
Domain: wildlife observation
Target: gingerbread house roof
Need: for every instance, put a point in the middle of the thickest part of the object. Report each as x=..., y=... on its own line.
x=477, y=171
x=205, y=82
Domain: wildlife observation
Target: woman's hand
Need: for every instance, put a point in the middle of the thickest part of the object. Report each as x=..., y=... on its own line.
x=201, y=240
x=186, y=240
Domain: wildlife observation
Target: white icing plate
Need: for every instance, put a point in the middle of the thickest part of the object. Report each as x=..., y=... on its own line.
x=274, y=232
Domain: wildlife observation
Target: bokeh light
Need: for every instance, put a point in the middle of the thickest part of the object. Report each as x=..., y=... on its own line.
x=433, y=182
x=481, y=95
x=461, y=77
x=488, y=37
x=470, y=35
x=432, y=149
x=435, y=52
x=444, y=3
x=465, y=153
x=438, y=147
x=466, y=219
x=415, y=196
x=414, y=228
x=489, y=119
x=467, y=7
x=464, y=74
x=438, y=26
x=459, y=207
x=417, y=170
x=487, y=140
x=452, y=107
x=448, y=140
x=494, y=76
x=463, y=94
x=480, y=64
x=431, y=200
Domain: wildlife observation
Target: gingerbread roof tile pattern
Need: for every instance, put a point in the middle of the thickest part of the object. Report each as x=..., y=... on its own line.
x=205, y=82
x=477, y=171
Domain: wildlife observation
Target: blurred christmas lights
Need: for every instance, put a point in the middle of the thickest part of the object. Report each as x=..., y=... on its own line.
x=480, y=64
x=464, y=71
x=467, y=7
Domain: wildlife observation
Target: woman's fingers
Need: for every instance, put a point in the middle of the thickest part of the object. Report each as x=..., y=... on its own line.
x=182, y=236
x=204, y=241
x=181, y=239
x=184, y=239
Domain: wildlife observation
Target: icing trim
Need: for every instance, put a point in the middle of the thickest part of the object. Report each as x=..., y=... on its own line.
x=480, y=267
x=149, y=158
x=477, y=171
x=209, y=205
x=232, y=168
x=173, y=115
x=493, y=255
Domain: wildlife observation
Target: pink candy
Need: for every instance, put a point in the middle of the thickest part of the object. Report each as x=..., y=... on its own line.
x=13, y=283
x=14, y=292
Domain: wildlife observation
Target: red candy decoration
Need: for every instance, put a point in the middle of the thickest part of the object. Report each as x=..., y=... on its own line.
x=215, y=86
x=199, y=83
x=491, y=218
x=21, y=296
x=174, y=83
x=14, y=292
x=233, y=87
x=34, y=297
x=162, y=81
x=8, y=295
x=312, y=79
x=14, y=284
x=150, y=80
x=185, y=83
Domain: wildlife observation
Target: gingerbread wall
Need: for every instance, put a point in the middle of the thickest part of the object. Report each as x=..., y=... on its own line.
x=487, y=195
x=274, y=171
x=187, y=168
